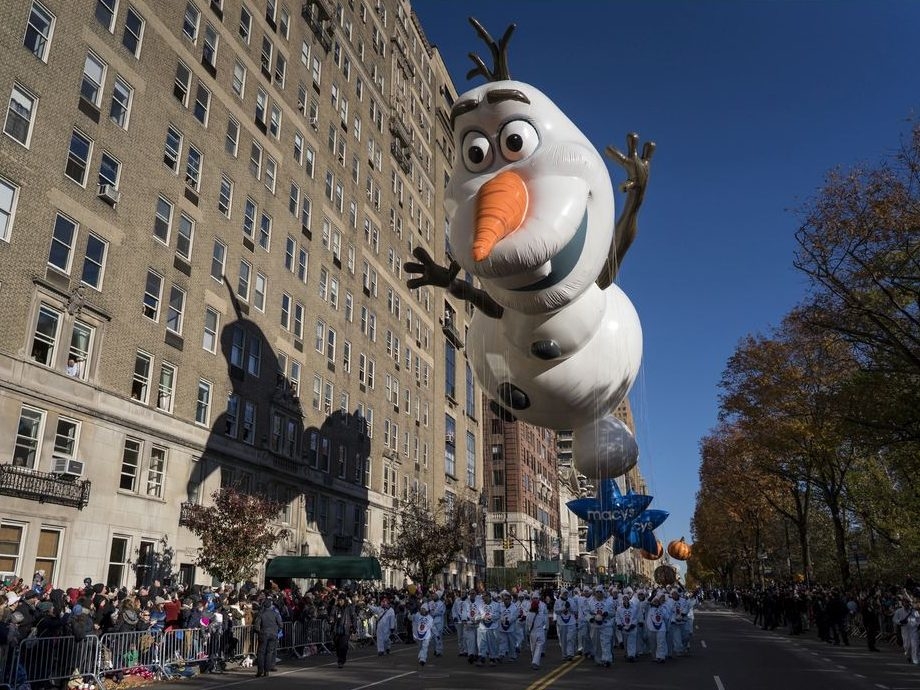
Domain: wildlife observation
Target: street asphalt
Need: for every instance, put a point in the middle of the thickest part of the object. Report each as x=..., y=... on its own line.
x=727, y=653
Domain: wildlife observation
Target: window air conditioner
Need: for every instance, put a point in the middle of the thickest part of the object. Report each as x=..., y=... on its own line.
x=65, y=465
x=109, y=193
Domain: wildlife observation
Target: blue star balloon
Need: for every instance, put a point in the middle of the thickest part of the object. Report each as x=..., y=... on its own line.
x=609, y=513
x=642, y=531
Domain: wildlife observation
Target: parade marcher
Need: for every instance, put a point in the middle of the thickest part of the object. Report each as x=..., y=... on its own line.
x=518, y=631
x=626, y=622
x=642, y=607
x=386, y=624
x=537, y=619
x=912, y=635
x=486, y=618
x=579, y=603
x=899, y=619
x=602, y=612
x=468, y=626
x=422, y=632
x=343, y=619
x=566, y=622
x=437, y=611
x=656, y=628
x=676, y=622
x=458, y=624
x=268, y=625
x=687, y=604
x=507, y=623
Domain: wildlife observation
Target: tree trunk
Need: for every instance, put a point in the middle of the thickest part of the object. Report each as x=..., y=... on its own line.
x=840, y=542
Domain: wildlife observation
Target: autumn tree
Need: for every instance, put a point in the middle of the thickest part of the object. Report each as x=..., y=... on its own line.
x=235, y=533
x=427, y=539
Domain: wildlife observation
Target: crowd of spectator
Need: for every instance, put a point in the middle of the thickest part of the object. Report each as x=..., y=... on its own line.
x=878, y=613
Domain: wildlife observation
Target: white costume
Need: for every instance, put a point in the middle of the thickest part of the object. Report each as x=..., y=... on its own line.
x=601, y=625
x=486, y=617
x=422, y=631
x=386, y=624
x=437, y=610
x=507, y=638
x=627, y=617
x=656, y=627
x=564, y=613
x=537, y=618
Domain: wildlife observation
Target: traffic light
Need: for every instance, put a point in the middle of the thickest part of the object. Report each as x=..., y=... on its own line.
x=506, y=543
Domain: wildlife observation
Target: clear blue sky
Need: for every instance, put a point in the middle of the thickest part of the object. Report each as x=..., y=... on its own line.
x=750, y=103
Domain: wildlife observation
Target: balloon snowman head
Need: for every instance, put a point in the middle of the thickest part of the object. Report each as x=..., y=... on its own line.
x=530, y=210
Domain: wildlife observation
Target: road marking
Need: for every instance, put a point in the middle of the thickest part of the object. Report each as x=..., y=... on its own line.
x=883, y=687
x=843, y=667
x=718, y=681
x=385, y=680
x=703, y=644
x=859, y=675
x=554, y=675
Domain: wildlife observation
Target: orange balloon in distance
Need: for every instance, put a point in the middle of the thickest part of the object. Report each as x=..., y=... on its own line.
x=679, y=550
x=649, y=556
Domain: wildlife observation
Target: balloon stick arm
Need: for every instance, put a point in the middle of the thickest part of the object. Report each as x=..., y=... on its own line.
x=477, y=297
x=627, y=225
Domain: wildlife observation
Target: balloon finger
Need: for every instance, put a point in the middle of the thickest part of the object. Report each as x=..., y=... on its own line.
x=422, y=255
x=415, y=282
x=615, y=154
x=632, y=142
x=648, y=150
x=412, y=267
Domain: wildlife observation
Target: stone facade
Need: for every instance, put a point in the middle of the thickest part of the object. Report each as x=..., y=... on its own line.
x=207, y=205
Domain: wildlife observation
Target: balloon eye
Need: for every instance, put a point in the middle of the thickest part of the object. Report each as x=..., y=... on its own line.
x=518, y=139
x=477, y=151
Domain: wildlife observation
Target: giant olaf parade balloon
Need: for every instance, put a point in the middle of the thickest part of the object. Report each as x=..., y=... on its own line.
x=553, y=342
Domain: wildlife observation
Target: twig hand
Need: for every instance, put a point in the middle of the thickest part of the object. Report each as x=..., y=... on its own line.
x=430, y=273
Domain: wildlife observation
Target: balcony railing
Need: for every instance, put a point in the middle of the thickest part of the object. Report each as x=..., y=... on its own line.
x=319, y=22
x=449, y=328
x=44, y=487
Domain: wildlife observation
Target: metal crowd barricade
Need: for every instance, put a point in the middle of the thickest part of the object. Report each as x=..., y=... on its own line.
x=123, y=650
x=316, y=637
x=245, y=642
x=184, y=645
x=286, y=641
x=46, y=659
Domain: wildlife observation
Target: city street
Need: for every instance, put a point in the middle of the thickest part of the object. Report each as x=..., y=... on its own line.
x=728, y=653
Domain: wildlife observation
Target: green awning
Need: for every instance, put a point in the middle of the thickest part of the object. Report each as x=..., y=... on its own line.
x=325, y=567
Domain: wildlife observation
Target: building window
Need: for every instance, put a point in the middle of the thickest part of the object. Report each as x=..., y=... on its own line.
x=450, y=446
x=271, y=173
x=239, y=79
x=185, y=237
x=249, y=422
x=109, y=170
x=193, y=168
x=249, y=217
x=211, y=42
x=255, y=160
x=182, y=84
x=254, y=359
x=202, y=104
x=45, y=338
x=190, y=22
x=172, y=150
x=19, y=115
x=265, y=231
x=38, y=35
x=470, y=392
x=9, y=195
x=232, y=416
x=11, y=540
x=242, y=285
x=274, y=123
x=166, y=387
x=105, y=13
x=66, y=438
x=78, y=157
x=470, y=460
x=156, y=470
x=134, y=32
x=119, y=554
x=28, y=437
x=176, y=309
x=93, y=79
x=140, y=383
x=130, y=461
x=62, y=242
x=231, y=144
x=122, y=96
x=211, y=326
x=218, y=257
x=258, y=292
x=225, y=197
x=81, y=343
x=153, y=290
x=245, y=28
x=94, y=261
x=450, y=365
x=237, y=345
x=203, y=404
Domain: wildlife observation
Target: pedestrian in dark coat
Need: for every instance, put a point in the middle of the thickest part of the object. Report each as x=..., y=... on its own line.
x=267, y=624
x=344, y=622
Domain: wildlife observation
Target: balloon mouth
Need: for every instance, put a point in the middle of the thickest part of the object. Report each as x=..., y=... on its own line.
x=564, y=262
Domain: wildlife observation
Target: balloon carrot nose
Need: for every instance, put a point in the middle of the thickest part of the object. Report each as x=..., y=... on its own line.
x=500, y=211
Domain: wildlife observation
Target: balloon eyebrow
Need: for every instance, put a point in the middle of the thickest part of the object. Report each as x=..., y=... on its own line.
x=499, y=95
x=461, y=107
